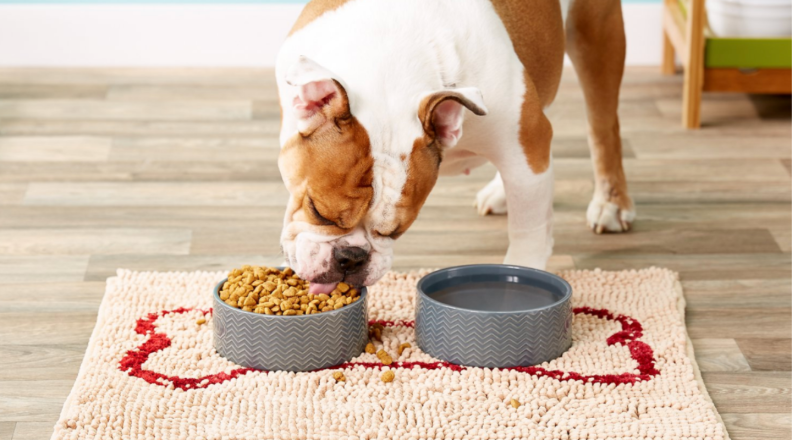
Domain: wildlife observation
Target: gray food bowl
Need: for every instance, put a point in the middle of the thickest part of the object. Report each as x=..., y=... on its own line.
x=493, y=315
x=290, y=343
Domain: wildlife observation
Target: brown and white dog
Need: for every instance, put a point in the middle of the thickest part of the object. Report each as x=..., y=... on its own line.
x=375, y=96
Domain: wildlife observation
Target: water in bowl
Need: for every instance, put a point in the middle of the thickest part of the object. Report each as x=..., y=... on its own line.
x=496, y=296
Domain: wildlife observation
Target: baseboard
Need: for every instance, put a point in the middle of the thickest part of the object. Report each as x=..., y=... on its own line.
x=142, y=35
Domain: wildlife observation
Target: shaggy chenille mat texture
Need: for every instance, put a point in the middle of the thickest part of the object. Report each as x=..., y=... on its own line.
x=150, y=372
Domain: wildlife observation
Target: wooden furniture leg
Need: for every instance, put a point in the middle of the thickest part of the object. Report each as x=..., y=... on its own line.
x=694, y=67
x=669, y=64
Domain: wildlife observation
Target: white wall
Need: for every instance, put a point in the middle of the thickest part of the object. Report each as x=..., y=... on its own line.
x=196, y=34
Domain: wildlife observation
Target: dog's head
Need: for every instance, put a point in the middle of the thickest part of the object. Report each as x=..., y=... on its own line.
x=352, y=195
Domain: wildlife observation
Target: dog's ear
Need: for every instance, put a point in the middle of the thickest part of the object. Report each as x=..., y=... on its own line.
x=320, y=100
x=442, y=113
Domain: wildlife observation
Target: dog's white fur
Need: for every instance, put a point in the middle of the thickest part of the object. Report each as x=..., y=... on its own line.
x=442, y=44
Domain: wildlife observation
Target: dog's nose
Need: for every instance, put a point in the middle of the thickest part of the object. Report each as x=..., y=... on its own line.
x=350, y=258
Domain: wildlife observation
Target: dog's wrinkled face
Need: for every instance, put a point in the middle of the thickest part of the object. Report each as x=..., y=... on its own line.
x=349, y=201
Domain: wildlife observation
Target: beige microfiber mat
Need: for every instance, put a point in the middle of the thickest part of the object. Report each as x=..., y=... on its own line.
x=150, y=372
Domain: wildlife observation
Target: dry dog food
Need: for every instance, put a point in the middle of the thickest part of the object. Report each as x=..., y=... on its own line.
x=403, y=346
x=384, y=357
x=388, y=376
x=270, y=291
x=201, y=321
x=515, y=403
x=375, y=331
x=339, y=376
x=370, y=348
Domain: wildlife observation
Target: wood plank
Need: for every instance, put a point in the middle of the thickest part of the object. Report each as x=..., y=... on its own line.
x=737, y=293
x=44, y=269
x=54, y=297
x=719, y=355
x=6, y=430
x=767, y=354
x=195, y=149
x=12, y=193
x=718, y=108
x=783, y=238
x=54, y=149
x=142, y=171
x=66, y=127
x=35, y=362
x=748, y=81
x=754, y=322
x=103, y=266
x=52, y=91
x=94, y=241
x=32, y=400
x=209, y=194
x=48, y=328
x=34, y=430
x=787, y=164
x=758, y=426
x=63, y=109
x=703, y=145
x=696, y=267
x=165, y=216
x=746, y=393
x=665, y=239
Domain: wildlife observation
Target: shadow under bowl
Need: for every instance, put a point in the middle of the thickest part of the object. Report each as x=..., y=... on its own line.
x=290, y=343
x=493, y=315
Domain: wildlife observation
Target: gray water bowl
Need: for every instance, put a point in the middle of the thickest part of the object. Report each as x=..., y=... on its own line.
x=290, y=343
x=493, y=315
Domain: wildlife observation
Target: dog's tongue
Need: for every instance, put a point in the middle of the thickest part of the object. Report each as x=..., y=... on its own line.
x=317, y=288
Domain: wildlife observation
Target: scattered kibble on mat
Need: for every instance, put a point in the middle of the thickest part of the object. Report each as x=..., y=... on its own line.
x=403, y=346
x=515, y=403
x=375, y=331
x=370, y=348
x=384, y=357
x=339, y=376
x=269, y=291
x=201, y=321
x=388, y=376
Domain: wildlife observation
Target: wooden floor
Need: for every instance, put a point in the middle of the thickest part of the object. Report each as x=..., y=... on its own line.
x=176, y=169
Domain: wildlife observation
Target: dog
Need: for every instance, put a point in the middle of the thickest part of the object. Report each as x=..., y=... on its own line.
x=375, y=97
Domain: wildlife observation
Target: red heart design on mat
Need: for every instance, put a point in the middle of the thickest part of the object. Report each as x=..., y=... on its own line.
x=628, y=336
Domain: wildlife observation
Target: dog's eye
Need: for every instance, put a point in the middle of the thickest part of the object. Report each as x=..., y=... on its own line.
x=393, y=235
x=319, y=217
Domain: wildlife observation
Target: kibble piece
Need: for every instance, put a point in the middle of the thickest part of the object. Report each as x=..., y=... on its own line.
x=290, y=312
x=403, y=346
x=384, y=357
x=370, y=348
x=343, y=287
x=388, y=376
x=515, y=403
x=201, y=321
x=339, y=376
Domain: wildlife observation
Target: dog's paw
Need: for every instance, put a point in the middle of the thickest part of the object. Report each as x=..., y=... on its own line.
x=492, y=198
x=616, y=215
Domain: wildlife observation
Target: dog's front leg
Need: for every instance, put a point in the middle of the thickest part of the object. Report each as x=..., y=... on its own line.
x=529, y=197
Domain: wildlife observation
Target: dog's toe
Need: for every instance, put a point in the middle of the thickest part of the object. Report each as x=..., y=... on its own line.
x=603, y=216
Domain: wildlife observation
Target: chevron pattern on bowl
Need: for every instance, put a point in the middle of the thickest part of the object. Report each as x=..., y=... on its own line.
x=290, y=343
x=495, y=339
